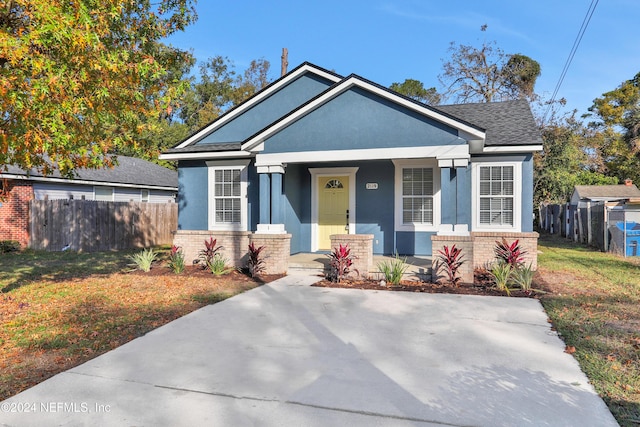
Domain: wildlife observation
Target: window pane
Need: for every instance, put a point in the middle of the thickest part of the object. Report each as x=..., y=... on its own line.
x=496, y=181
x=507, y=173
x=417, y=191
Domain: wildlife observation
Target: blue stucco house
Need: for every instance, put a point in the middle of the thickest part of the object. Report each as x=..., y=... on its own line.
x=316, y=155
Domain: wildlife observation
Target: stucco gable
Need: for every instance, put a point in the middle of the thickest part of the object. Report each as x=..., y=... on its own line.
x=359, y=119
x=392, y=100
x=274, y=101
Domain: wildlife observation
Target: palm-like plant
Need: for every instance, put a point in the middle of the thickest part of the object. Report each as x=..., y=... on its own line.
x=451, y=260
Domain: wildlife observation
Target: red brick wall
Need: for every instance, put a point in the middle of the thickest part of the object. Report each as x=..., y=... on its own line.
x=14, y=212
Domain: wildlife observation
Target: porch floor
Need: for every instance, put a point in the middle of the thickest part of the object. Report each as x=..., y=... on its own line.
x=315, y=263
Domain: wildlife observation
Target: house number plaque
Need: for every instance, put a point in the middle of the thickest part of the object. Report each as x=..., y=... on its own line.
x=371, y=186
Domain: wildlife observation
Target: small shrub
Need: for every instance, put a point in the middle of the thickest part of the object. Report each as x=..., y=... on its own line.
x=340, y=262
x=255, y=264
x=501, y=274
x=451, y=260
x=393, y=269
x=511, y=254
x=218, y=265
x=7, y=246
x=143, y=260
x=523, y=276
x=206, y=255
x=176, y=259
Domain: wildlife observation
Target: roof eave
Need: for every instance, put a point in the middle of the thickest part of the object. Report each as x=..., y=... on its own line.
x=203, y=155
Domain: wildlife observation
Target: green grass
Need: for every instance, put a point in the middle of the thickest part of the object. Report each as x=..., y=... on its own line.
x=595, y=306
x=17, y=269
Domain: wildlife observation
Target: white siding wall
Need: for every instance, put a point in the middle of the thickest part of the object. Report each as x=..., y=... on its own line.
x=157, y=196
x=61, y=191
x=126, y=194
x=56, y=191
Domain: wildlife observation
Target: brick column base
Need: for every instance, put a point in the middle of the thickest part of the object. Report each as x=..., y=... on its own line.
x=361, y=246
x=276, y=252
x=465, y=244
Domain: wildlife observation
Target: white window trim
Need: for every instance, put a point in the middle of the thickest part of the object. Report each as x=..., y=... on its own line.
x=316, y=173
x=422, y=163
x=517, y=197
x=240, y=165
x=113, y=193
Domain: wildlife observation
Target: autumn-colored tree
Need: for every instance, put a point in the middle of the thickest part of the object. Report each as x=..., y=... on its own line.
x=415, y=89
x=79, y=80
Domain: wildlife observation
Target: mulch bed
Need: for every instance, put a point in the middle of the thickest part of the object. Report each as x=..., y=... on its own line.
x=482, y=286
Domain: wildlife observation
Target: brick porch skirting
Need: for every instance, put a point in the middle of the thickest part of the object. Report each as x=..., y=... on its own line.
x=235, y=247
x=478, y=250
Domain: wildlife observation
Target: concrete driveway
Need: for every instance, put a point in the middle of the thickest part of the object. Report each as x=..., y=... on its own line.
x=287, y=354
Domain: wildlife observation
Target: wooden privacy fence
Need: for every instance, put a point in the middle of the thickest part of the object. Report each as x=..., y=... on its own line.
x=92, y=226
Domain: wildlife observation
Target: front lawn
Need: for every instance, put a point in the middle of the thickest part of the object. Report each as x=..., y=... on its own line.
x=594, y=304
x=58, y=310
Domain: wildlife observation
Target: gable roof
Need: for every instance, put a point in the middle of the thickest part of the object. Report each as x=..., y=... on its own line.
x=489, y=127
x=608, y=192
x=129, y=171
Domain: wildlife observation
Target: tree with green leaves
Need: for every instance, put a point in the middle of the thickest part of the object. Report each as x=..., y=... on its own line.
x=569, y=157
x=415, y=89
x=487, y=74
x=220, y=88
x=80, y=80
x=617, y=116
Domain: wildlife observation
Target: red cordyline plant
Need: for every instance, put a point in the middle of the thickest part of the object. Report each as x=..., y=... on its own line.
x=340, y=262
x=451, y=260
x=205, y=257
x=509, y=253
x=255, y=263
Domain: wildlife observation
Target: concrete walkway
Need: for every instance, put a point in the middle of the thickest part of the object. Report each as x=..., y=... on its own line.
x=287, y=354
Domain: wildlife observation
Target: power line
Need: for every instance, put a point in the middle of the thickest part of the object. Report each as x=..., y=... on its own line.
x=574, y=48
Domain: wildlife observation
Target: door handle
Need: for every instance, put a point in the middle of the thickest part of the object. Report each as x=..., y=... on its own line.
x=346, y=227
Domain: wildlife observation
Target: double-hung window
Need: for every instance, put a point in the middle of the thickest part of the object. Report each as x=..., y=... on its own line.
x=497, y=196
x=417, y=196
x=227, y=196
x=417, y=186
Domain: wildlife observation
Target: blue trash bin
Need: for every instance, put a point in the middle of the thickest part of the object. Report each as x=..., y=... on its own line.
x=632, y=242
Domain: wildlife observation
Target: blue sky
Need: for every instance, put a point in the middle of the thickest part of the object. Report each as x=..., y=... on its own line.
x=391, y=40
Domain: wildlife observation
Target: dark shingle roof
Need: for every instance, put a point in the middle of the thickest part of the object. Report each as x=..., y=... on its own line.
x=129, y=170
x=607, y=191
x=506, y=123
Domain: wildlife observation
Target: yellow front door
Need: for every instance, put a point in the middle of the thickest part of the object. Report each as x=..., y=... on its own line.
x=333, y=205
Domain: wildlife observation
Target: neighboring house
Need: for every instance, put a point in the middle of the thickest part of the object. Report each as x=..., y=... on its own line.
x=316, y=155
x=605, y=193
x=605, y=216
x=131, y=180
